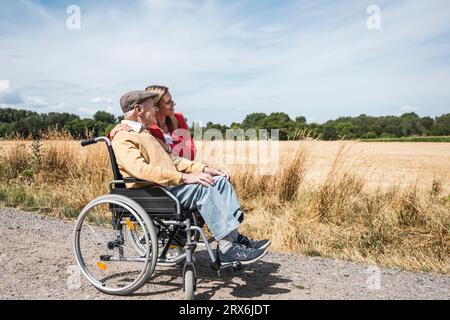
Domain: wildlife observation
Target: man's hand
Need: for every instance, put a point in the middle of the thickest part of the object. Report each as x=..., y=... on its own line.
x=204, y=179
x=217, y=172
x=119, y=127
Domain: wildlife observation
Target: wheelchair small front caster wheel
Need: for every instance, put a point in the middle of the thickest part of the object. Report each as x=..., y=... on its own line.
x=189, y=285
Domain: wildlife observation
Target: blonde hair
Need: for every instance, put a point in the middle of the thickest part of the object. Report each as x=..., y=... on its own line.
x=160, y=91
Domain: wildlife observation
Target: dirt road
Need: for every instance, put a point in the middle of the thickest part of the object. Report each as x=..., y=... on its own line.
x=36, y=262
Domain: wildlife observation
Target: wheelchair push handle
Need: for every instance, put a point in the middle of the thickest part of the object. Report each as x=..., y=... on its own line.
x=88, y=142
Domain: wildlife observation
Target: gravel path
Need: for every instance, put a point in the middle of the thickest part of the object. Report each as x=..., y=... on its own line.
x=36, y=262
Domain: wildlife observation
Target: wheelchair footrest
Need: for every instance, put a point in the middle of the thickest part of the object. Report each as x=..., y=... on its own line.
x=218, y=265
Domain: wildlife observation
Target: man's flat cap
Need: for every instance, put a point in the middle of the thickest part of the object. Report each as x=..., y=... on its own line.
x=130, y=99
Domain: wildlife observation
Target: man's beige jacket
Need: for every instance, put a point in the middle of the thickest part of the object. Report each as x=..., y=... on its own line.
x=139, y=155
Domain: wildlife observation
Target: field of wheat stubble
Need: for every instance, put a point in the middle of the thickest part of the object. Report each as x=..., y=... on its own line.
x=377, y=203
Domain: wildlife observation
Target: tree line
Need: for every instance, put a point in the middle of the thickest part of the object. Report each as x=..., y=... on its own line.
x=27, y=124
x=360, y=127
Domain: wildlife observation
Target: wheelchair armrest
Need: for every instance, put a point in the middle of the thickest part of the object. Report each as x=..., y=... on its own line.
x=122, y=182
x=133, y=180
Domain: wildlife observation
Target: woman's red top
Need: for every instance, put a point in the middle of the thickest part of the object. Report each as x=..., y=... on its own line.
x=183, y=144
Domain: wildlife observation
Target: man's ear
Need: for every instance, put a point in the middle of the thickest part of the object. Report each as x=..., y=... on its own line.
x=138, y=108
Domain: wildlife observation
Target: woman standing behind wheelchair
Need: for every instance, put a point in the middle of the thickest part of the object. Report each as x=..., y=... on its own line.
x=171, y=129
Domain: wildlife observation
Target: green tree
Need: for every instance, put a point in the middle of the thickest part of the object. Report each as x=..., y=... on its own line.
x=281, y=121
x=28, y=123
x=369, y=135
x=329, y=132
x=346, y=130
x=9, y=115
x=441, y=126
x=300, y=120
x=102, y=116
x=427, y=123
x=30, y=126
x=410, y=124
x=254, y=121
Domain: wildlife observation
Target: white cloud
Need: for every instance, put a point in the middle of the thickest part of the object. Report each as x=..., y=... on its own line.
x=35, y=102
x=407, y=108
x=169, y=4
x=9, y=95
x=87, y=112
x=101, y=100
x=60, y=107
x=4, y=85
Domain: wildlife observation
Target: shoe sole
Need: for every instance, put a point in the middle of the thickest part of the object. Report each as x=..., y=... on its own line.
x=266, y=245
x=244, y=263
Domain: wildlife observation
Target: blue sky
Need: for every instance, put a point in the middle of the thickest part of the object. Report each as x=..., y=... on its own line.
x=226, y=59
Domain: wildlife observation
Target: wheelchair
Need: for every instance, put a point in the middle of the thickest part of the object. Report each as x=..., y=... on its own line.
x=121, y=237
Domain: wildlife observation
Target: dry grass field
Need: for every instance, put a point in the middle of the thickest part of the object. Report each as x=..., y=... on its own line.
x=377, y=203
x=381, y=165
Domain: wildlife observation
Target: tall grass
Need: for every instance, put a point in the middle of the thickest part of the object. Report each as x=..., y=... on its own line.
x=405, y=227
x=410, y=139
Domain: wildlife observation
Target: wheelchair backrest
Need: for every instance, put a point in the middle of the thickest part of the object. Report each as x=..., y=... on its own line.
x=114, y=166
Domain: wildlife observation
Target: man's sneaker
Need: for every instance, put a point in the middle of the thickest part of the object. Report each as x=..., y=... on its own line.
x=173, y=252
x=254, y=244
x=242, y=254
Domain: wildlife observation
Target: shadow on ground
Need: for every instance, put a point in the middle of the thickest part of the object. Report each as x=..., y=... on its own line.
x=253, y=281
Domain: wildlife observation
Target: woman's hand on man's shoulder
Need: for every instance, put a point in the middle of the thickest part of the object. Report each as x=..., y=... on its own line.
x=118, y=128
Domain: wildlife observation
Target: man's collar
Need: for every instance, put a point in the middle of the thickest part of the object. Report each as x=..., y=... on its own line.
x=136, y=126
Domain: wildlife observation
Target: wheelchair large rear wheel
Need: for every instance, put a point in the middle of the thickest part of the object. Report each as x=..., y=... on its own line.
x=106, y=257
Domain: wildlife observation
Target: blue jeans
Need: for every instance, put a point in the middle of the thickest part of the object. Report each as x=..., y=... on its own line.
x=217, y=204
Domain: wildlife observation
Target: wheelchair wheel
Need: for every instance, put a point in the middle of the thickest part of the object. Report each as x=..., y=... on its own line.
x=105, y=256
x=189, y=285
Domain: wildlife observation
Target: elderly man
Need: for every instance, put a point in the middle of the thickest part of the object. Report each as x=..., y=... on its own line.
x=195, y=185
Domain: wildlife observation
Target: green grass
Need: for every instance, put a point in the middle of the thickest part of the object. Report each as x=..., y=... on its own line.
x=312, y=253
x=410, y=139
x=33, y=200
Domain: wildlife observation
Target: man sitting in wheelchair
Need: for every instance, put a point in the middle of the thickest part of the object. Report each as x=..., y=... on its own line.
x=197, y=186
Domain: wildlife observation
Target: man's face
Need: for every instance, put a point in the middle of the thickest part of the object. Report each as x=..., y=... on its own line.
x=149, y=112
